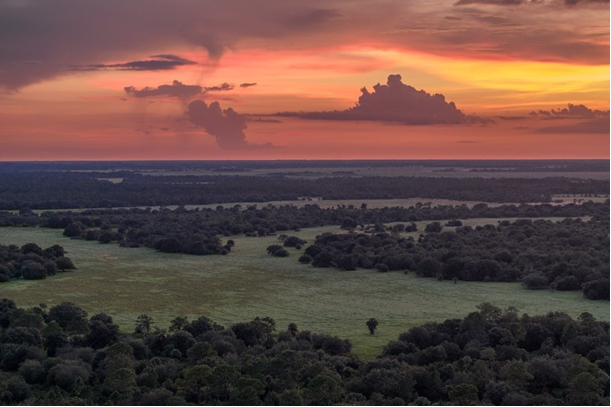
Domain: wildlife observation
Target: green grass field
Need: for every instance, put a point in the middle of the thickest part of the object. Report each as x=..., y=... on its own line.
x=248, y=283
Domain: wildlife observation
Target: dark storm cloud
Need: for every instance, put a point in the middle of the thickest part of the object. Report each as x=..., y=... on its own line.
x=41, y=40
x=158, y=63
x=227, y=126
x=572, y=111
x=397, y=102
x=176, y=89
x=247, y=85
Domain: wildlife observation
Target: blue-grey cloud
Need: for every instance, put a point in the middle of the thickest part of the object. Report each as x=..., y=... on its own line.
x=227, y=126
x=572, y=111
x=163, y=62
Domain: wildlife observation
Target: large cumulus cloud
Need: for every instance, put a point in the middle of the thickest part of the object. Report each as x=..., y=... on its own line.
x=227, y=126
x=397, y=102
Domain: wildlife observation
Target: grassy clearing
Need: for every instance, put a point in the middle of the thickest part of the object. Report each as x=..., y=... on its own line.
x=249, y=283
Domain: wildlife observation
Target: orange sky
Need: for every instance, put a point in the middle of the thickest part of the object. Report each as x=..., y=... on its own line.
x=62, y=83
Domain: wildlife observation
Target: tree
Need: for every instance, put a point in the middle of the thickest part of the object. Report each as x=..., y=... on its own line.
x=464, y=394
x=372, y=324
x=324, y=390
x=305, y=259
x=381, y=267
x=144, y=324
x=535, y=281
x=33, y=271
x=70, y=317
x=102, y=331
x=64, y=263
x=434, y=227
x=323, y=259
x=292, y=329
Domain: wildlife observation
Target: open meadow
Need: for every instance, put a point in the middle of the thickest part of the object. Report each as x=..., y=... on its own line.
x=248, y=283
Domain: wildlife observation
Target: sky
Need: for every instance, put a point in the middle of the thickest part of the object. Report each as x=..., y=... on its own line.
x=283, y=79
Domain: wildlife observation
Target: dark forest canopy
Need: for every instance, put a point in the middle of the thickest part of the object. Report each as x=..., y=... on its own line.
x=65, y=190
x=61, y=356
x=566, y=256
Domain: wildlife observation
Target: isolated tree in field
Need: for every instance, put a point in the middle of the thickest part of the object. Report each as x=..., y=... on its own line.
x=64, y=263
x=372, y=324
x=144, y=323
x=293, y=328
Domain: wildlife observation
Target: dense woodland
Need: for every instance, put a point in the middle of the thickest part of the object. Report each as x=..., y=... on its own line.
x=30, y=262
x=60, y=356
x=65, y=190
x=566, y=255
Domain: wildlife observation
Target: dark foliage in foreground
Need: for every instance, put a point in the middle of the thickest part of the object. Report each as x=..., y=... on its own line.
x=496, y=357
x=567, y=255
x=65, y=190
x=31, y=262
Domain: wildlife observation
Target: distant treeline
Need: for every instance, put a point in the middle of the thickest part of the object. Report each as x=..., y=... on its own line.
x=566, y=256
x=60, y=356
x=199, y=231
x=522, y=165
x=58, y=190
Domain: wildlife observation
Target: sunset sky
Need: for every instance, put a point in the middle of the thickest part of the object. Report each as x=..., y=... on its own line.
x=278, y=79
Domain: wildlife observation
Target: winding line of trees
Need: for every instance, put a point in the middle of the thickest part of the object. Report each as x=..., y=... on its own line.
x=200, y=231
